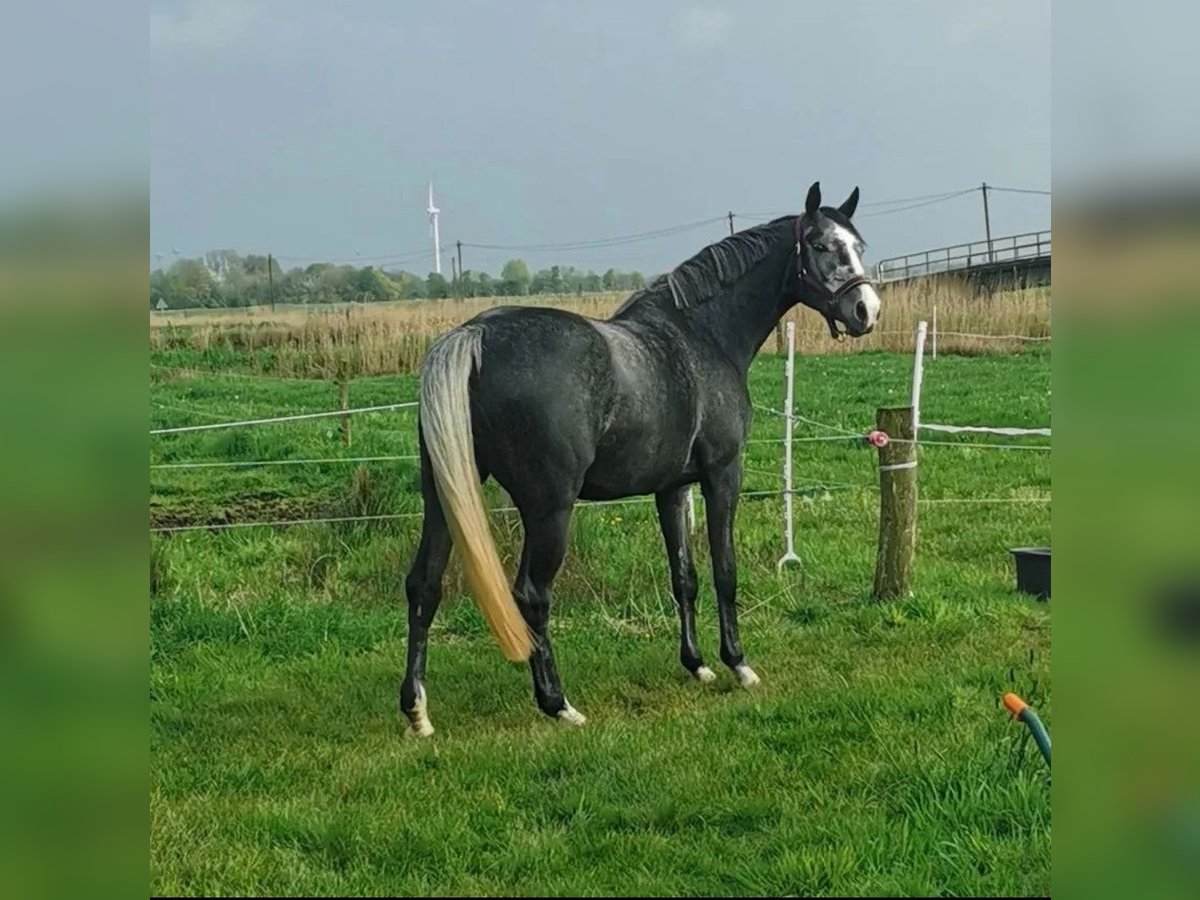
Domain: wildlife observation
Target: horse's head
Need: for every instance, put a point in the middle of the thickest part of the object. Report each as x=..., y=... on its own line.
x=829, y=264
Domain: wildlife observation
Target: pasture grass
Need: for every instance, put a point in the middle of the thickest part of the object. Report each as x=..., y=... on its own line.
x=873, y=759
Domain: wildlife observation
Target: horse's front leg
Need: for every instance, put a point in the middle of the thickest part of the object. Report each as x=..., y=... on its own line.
x=721, y=489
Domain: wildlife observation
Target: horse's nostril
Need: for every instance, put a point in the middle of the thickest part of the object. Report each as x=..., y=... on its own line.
x=860, y=310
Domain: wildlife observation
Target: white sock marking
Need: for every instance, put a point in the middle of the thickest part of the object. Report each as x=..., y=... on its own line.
x=571, y=715
x=745, y=676
x=705, y=674
x=419, y=724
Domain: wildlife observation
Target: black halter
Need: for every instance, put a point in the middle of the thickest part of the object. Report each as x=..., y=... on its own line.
x=813, y=293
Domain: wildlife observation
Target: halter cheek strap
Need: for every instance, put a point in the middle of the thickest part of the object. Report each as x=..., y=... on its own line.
x=813, y=293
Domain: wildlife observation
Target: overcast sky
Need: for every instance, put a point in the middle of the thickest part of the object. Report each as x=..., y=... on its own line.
x=309, y=129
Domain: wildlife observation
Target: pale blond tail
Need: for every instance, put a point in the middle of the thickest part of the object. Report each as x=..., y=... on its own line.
x=446, y=428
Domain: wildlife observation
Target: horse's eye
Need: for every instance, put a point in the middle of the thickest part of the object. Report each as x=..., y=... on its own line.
x=820, y=248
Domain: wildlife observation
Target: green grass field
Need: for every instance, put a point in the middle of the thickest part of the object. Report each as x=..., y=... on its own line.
x=873, y=759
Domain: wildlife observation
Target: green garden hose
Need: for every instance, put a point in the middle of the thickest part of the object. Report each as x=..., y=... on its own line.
x=1021, y=710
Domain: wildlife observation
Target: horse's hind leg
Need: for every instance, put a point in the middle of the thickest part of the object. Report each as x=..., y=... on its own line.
x=672, y=518
x=423, y=587
x=541, y=558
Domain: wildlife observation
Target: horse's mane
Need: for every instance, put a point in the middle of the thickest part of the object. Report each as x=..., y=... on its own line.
x=714, y=268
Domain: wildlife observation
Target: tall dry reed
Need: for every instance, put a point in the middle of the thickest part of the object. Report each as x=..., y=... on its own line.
x=385, y=338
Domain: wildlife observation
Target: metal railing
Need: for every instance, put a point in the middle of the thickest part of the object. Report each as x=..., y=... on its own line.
x=959, y=257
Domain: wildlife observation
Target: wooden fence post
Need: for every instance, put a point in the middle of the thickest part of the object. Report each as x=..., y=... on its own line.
x=897, y=502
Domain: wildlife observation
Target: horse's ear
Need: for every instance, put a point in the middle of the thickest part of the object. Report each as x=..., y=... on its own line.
x=813, y=201
x=851, y=204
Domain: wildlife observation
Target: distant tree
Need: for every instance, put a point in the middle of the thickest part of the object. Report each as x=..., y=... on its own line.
x=436, y=286
x=225, y=278
x=224, y=264
x=337, y=284
x=468, y=284
x=515, y=277
x=160, y=289
x=190, y=283
x=540, y=283
x=411, y=287
x=294, y=287
x=373, y=285
x=236, y=288
x=254, y=264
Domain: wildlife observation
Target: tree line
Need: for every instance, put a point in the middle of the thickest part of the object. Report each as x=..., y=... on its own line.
x=224, y=278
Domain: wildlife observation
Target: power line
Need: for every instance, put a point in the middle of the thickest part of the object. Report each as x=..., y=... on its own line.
x=878, y=207
x=944, y=195
x=405, y=256
x=927, y=199
x=621, y=255
x=918, y=201
x=602, y=242
x=939, y=196
x=942, y=199
x=992, y=187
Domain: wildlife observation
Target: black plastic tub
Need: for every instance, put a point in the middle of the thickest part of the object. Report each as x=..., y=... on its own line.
x=1033, y=570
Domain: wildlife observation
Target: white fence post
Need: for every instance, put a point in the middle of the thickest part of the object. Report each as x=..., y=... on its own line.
x=790, y=549
x=918, y=361
x=691, y=508
x=935, y=332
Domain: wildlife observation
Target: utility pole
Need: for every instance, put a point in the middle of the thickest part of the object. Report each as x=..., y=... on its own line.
x=731, y=222
x=987, y=222
x=458, y=244
x=271, y=279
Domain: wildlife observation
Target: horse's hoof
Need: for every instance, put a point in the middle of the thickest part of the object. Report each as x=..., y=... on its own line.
x=418, y=720
x=419, y=730
x=704, y=674
x=746, y=676
x=571, y=716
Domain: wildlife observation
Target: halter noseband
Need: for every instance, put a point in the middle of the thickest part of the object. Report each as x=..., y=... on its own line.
x=825, y=300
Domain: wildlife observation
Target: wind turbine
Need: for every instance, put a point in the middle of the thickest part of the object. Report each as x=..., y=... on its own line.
x=433, y=226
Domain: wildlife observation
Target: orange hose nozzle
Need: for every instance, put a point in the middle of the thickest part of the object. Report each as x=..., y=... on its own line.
x=1015, y=704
